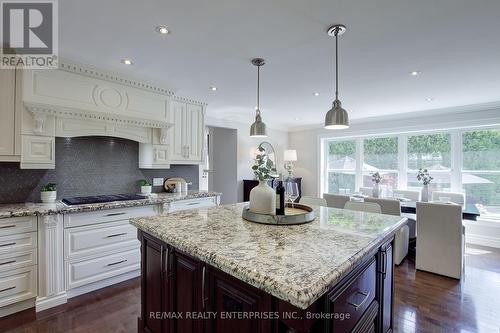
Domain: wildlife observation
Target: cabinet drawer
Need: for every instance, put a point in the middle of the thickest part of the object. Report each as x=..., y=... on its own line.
x=14, y=243
x=108, y=215
x=91, y=270
x=355, y=298
x=17, y=285
x=17, y=260
x=17, y=225
x=191, y=204
x=95, y=239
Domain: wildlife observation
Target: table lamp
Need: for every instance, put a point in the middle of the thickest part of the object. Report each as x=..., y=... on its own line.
x=289, y=156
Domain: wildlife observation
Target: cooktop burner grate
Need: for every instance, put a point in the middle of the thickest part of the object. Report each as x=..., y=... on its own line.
x=101, y=199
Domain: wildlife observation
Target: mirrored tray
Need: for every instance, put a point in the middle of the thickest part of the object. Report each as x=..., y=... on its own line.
x=298, y=214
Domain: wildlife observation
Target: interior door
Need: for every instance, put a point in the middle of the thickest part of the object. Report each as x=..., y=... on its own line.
x=223, y=163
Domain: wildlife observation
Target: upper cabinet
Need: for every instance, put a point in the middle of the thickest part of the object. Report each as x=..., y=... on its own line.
x=9, y=117
x=186, y=136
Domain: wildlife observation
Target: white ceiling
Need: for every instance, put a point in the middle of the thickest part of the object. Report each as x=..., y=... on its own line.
x=454, y=43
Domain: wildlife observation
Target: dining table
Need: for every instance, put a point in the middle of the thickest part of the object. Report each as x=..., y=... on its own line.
x=469, y=211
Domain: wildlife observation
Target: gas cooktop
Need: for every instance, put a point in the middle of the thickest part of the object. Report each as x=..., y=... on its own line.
x=101, y=199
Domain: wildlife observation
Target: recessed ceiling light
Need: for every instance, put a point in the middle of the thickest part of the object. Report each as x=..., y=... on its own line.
x=213, y=88
x=414, y=73
x=429, y=99
x=316, y=94
x=297, y=118
x=127, y=61
x=161, y=29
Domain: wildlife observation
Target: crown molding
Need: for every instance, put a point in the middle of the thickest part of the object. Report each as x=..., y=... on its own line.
x=90, y=71
x=188, y=100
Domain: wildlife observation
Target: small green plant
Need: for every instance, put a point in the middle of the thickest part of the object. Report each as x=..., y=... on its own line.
x=143, y=182
x=49, y=187
x=376, y=177
x=263, y=167
x=424, y=176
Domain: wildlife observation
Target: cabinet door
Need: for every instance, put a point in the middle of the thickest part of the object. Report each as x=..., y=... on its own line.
x=155, y=287
x=186, y=291
x=7, y=91
x=194, y=132
x=37, y=152
x=386, y=285
x=160, y=155
x=229, y=295
x=177, y=116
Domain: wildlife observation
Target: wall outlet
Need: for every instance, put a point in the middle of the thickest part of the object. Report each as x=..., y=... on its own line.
x=157, y=181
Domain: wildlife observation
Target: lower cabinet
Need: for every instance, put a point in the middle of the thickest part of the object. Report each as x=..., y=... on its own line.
x=181, y=294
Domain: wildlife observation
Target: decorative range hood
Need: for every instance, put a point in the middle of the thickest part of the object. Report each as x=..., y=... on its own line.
x=81, y=100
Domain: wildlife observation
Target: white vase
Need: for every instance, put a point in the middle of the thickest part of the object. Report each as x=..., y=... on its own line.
x=146, y=189
x=376, y=190
x=263, y=199
x=48, y=196
x=425, y=193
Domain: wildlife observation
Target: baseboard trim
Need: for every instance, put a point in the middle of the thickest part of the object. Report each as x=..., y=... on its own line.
x=44, y=303
x=482, y=240
x=102, y=284
x=17, y=307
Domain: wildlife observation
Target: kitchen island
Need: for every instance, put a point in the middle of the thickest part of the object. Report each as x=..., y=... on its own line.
x=209, y=270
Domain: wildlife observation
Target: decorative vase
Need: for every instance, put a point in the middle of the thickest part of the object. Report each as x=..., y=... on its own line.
x=146, y=189
x=425, y=193
x=376, y=190
x=48, y=196
x=263, y=199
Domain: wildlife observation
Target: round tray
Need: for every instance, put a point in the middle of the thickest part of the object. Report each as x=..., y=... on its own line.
x=298, y=214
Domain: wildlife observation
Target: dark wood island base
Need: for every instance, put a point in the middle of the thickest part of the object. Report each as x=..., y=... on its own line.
x=183, y=294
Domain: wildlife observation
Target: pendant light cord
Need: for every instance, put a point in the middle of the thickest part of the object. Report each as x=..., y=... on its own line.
x=337, y=64
x=258, y=89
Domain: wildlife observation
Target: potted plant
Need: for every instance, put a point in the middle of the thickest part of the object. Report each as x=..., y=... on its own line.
x=424, y=177
x=145, y=186
x=48, y=193
x=262, y=196
x=376, y=179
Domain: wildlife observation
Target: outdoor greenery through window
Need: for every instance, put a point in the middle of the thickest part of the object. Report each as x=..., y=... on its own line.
x=481, y=170
x=341, y=163
x=465, y=161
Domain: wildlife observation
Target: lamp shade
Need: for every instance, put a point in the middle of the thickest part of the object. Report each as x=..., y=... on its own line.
x=290, y=155
x=258, y=128
x=337, y=117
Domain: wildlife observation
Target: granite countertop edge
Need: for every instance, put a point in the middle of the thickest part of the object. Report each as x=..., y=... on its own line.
x=301, y=297
x=41, y=209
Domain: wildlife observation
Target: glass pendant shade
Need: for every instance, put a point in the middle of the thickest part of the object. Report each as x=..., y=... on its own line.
x=258, y=128
x=336, y=117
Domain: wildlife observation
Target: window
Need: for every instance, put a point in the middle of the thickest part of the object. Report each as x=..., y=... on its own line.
x=432, y=152
x=341, y=166
x=481, y=171
x=381, y=154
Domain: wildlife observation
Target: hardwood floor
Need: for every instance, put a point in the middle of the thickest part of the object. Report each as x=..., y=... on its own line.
x=424, y=303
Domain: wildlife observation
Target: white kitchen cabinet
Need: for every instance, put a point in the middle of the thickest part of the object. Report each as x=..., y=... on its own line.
x=9, y=134
x=154, y=156
x=186, y=136
x=38, y=152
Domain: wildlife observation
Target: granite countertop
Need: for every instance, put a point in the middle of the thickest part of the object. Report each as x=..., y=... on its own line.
x=30, y=209
x=297, y=264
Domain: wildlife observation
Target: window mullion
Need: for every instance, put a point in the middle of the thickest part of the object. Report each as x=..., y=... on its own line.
x=359, y=163
x=456, y=161
x=402, y=161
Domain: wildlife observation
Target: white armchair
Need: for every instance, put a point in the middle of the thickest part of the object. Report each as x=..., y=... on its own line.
x=402, y=237
x=440, y=241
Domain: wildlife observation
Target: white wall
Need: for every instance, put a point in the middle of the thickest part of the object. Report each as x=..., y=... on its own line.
x=247, y=146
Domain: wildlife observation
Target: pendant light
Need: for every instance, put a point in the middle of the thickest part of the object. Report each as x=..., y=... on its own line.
x=336, y=117
x=258, y=128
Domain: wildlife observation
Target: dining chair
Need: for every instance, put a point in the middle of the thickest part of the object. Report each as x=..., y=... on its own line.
x=366, y=191
x=441, y=241
x=456, y=197
x=402, y=236
x=313, y=201
x=335, y=200
x=368, y=207
x=412, y=195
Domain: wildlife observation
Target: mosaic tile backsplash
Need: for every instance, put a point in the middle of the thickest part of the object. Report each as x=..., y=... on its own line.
x=87, y=166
